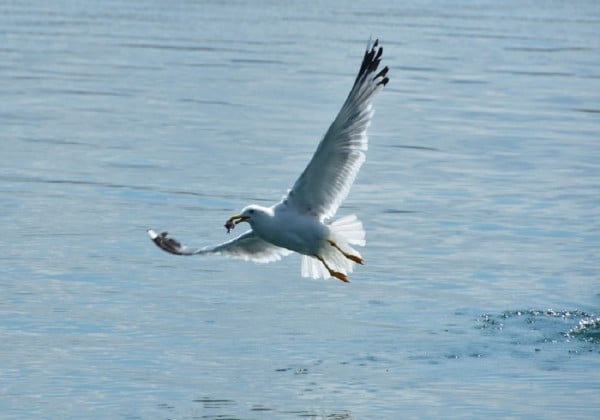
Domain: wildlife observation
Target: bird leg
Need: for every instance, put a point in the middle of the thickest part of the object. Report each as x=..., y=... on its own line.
x=354, y=258
x=333, y=273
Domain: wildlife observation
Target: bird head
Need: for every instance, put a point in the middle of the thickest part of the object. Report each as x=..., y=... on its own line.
x=248, y=214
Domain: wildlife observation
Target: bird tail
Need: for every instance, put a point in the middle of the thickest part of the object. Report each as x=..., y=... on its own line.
x=343, y=232
x=350, y=229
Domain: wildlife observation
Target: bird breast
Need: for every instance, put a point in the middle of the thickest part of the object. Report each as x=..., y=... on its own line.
x=288, y=229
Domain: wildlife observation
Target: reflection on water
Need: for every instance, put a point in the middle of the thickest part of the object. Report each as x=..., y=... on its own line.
x=214, y=408
x=479, y=195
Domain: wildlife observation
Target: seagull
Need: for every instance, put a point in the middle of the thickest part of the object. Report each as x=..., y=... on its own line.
x=301, y=221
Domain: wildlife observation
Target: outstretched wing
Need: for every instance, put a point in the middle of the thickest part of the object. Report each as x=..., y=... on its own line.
x=247, y=246
x=327, y=179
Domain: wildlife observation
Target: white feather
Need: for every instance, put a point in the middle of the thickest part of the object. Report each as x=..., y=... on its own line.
x=327, y=179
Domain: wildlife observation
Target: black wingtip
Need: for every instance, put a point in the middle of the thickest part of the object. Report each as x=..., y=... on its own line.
x=371, y=61
x=165, y=242
x=383, y=74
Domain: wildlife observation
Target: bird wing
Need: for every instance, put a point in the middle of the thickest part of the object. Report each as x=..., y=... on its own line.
x=327, y=179
x=247, y=246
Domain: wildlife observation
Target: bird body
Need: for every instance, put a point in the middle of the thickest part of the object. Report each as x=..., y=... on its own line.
x=300, y=221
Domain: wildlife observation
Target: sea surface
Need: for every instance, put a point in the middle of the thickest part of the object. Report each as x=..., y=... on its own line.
x=480, y=296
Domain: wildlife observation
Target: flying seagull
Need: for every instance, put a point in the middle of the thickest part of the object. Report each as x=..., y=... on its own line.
x=300, y=222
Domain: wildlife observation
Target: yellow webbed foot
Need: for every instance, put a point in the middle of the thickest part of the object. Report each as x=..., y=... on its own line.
x=340, y=276
x=351, y=257
x=333, y=273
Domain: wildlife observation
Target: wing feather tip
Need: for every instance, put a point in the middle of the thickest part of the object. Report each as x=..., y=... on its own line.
x=346, y=140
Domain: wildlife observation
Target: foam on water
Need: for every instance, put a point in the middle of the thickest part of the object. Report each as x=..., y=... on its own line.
x=587, y=330
x=546, y=326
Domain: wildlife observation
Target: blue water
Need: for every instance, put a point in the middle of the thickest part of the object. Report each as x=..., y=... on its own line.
x=480, y=296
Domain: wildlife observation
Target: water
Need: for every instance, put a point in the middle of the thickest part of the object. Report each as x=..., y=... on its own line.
x=479, y=297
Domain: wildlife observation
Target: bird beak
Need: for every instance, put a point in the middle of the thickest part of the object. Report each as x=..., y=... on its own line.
x=237, y=219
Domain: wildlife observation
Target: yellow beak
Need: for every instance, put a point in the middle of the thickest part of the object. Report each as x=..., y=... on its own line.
x=237, y=219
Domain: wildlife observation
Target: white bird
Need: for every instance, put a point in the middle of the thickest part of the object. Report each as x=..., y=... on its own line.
x=300, y=221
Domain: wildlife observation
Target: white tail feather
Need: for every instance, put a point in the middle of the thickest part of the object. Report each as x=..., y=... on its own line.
x=350, y=228
x=311, y=267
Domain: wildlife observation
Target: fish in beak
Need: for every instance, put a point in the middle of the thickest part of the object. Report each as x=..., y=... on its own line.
x=234, y=220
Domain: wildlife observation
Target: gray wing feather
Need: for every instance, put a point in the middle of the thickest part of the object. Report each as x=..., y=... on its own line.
x=247, y=246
